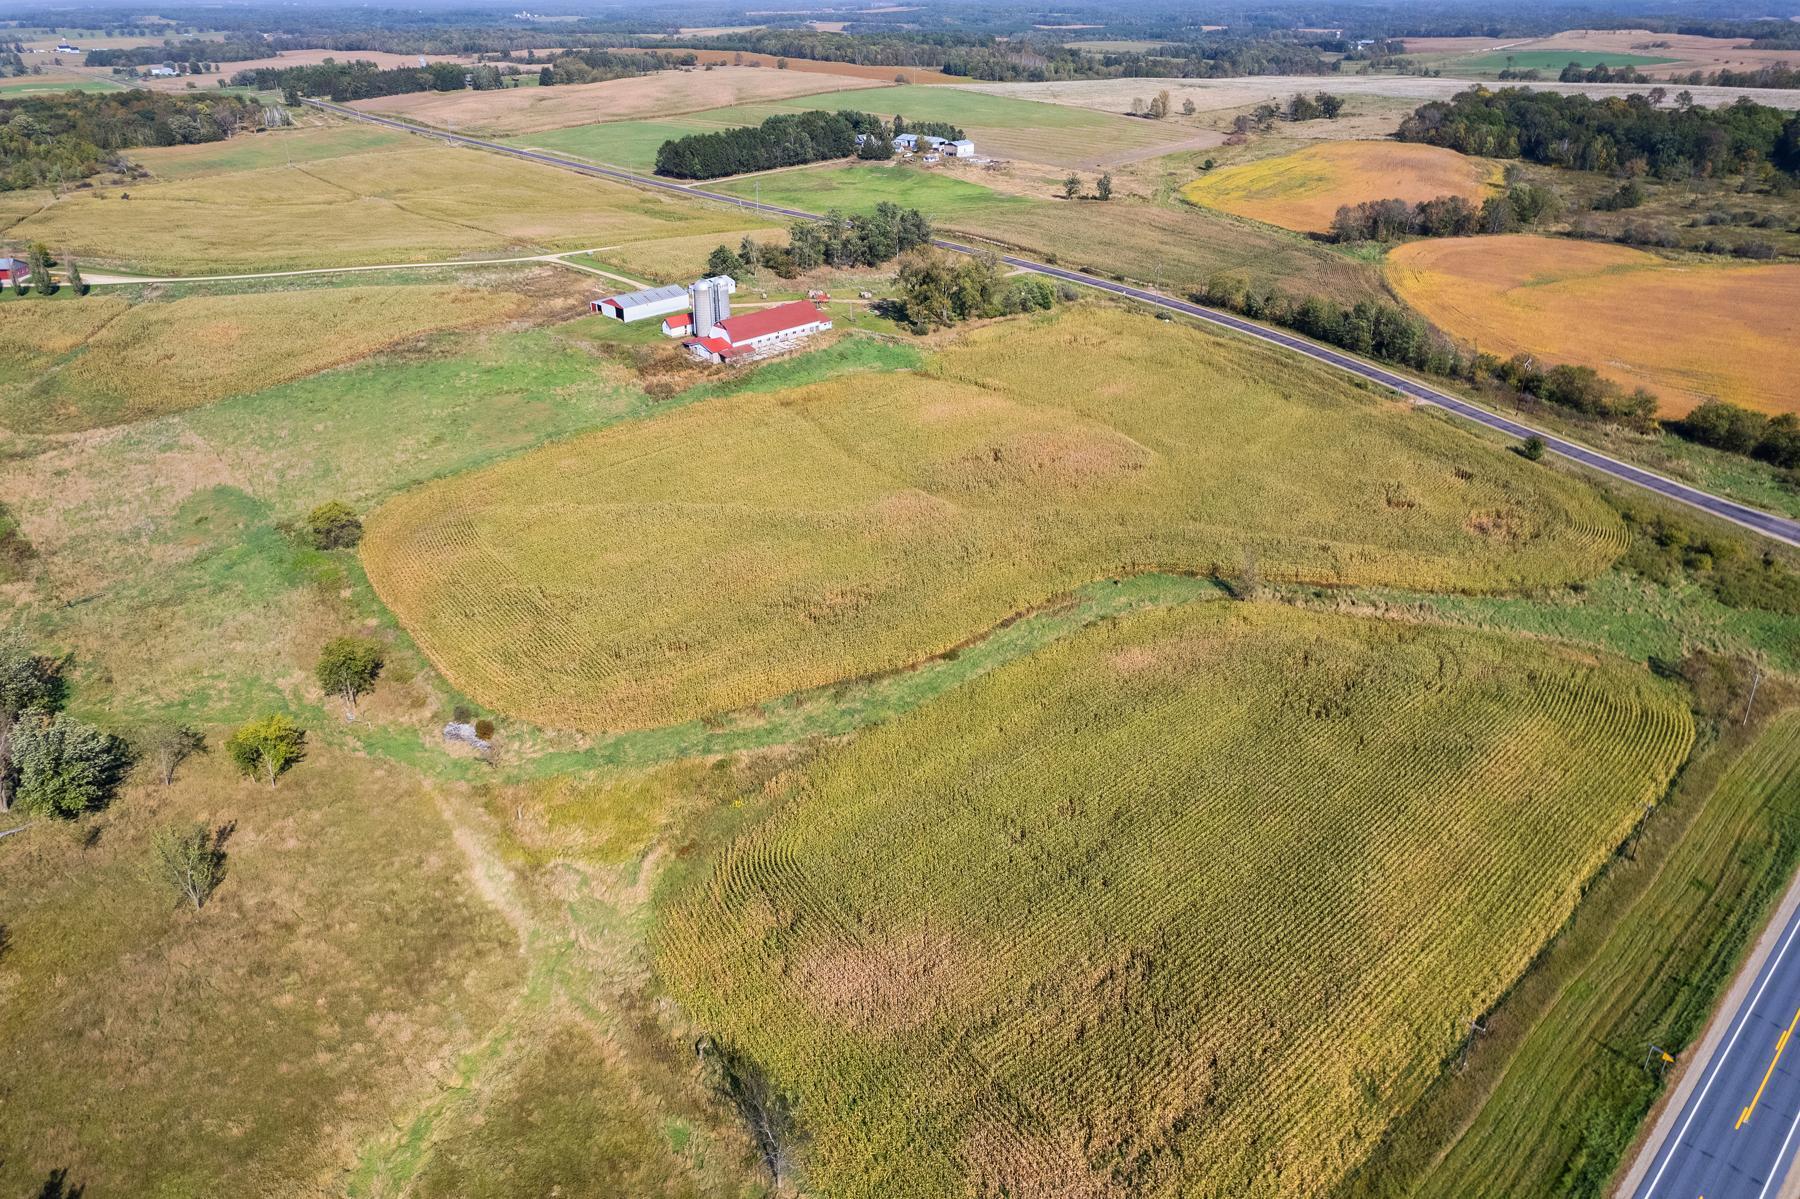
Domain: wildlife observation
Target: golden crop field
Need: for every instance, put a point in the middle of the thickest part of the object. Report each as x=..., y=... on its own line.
x=419, y=203
x=1304, y=189
x=665, y=93
x=1685, y=330
x=755, y=545
x=1191, y=904
x=100, y=361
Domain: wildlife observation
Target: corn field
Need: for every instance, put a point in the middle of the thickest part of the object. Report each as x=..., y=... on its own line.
x=753, y=546
x=1187, y=905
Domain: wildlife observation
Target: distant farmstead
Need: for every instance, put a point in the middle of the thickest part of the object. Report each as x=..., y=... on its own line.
x=753, y=334
x=913, y=142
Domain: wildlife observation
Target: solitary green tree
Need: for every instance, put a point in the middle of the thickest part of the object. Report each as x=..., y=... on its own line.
x=723, y=262
x=64, y=766
x=1103, y=189
x=347, y=669
x=267, y=748
x=1071, y=186
x=190, y=861
x=75, y=280
x=1532, y=448
x=333, y=525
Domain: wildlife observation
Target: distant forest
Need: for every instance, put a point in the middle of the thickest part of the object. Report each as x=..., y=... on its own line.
x=358, y=80
x=51, y=139
x=1670, y=140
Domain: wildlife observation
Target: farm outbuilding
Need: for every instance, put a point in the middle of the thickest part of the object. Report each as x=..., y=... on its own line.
x=755, y=333
x=13, y=268
x=641, y=305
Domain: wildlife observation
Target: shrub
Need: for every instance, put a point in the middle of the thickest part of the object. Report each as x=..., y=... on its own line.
x=267, y=748
x=333, y=525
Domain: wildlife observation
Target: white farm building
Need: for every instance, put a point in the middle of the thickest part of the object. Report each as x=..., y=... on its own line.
x=641, y=305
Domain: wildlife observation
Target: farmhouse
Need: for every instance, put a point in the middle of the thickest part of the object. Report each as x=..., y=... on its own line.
x=911, y=142
x=162, y=70
x=752, y=334
x=641, y=305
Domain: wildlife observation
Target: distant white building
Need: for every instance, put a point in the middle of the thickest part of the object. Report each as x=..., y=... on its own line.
x=961, y=148
x=162, y=70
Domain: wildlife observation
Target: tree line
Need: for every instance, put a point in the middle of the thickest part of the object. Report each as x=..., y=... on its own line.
x=1616, y=133
x=1601, y=73
x=1738, y=430
x=941, y=289
x=1393, y=334
x=51, y=139
x=784, y=140
x=839, y=240
x=342, y=82
x=1523, y=205
x=241, y=49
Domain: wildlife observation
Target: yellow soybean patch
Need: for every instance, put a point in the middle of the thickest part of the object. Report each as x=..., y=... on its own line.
x=749, y=547
x=1685, y=330
x=1189, y=905
x=1304, y=189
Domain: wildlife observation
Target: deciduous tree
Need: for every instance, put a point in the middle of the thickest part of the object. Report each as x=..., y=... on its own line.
x=333, y=525
x=347, y=668
x=63, y=766
x=190, y=861
x=267, y=748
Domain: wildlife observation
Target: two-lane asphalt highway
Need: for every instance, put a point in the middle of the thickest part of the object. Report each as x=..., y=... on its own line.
x=1737, y=1133
x=1776, y=527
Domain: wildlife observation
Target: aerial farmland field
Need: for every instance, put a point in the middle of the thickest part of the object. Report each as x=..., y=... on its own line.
x=1303, y=189
x=1191, y=904
x=1684, y=329
x=102, y=361
x=1001, y=127
x=415, y=203
x=892, y=518
x=665, y=93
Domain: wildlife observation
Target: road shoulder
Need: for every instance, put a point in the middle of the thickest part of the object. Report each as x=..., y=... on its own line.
x=1661, y=1123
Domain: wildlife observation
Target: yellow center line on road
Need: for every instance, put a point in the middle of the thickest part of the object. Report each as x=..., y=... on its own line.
x=1780, y=1045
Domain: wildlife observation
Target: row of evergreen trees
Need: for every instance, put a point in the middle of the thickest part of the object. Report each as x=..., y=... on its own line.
x=839, y=240
x=786, y=140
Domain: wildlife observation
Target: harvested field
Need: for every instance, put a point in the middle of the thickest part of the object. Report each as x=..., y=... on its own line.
x=419, y=203
x=664, y=94
x=1190, y=904
x=761, y=544
x=810, y=66
x=1303, y=189
x=98, y=361
x=1685, y=330
x=275, y=148
x=1666, y=52
x=1115, y=95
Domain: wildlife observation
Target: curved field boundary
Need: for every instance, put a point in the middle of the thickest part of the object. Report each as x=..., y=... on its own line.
x=758, y=545
x=1771, y=526
x=1190, y=904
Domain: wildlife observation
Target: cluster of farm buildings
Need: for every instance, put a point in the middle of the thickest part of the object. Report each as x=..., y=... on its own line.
x=700, y=314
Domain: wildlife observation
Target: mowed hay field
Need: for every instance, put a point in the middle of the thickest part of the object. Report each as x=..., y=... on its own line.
x=1686, y=330
x=1304, y=189
x=416, y=203
x=746, y=548
x=666, y=93
x=1000, y=127
x=1191, y=904
x=79, y=364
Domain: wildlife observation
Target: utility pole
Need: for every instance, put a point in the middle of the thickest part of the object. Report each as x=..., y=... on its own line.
x=1755, y=682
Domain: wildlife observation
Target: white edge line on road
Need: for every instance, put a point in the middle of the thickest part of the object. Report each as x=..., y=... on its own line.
x=1718, y=1064
x=1775, y=1170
